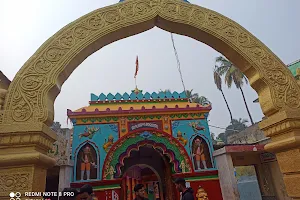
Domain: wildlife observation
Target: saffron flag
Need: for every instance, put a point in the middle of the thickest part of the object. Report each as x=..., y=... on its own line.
x=136, y=66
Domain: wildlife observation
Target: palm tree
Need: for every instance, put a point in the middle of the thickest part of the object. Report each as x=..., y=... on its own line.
x=203, y=101
x=234, y=127
x=218, y=82
x=195, y=98
x=232, y=74
x=192, y=96
x=165, y=91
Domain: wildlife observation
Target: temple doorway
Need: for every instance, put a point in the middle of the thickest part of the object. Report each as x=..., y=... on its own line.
x=151, y=168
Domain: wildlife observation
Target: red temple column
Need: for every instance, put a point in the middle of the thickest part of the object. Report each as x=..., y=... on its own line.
x=128, y=184
x=133, y=184
x=146, y=188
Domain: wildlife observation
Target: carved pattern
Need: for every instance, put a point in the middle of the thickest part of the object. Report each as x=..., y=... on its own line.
x=16, y=182
x=27, y=98
x=281, y=127
x=25, y=139
x=1, y=116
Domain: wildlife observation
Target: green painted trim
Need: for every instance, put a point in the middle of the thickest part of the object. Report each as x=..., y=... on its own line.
x=212, y=177
x=140, y=117
x=107, y=187
x=101, y=189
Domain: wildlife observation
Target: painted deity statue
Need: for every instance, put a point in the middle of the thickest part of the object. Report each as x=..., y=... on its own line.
x=86, y=162
x=198, y=153
x=182, y=166
x=181, y=138
x=156, y=191
x=110, y=173
x=201, y=194
x=108, y=143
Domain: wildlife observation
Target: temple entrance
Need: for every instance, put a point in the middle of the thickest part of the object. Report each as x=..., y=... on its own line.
x=149, y=167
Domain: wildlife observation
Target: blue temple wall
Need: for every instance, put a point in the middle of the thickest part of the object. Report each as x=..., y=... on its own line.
x=189, y=133
x=97, y=141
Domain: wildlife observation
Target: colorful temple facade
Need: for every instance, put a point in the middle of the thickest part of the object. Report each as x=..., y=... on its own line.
x=121, y=140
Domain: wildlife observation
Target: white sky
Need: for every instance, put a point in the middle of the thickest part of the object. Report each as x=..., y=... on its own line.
x=25, y=25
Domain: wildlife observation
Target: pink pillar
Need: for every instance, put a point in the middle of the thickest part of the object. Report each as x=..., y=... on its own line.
x=227, y=178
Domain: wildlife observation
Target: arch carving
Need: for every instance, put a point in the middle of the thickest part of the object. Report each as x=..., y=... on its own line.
x=163, y=142
x=32, y=92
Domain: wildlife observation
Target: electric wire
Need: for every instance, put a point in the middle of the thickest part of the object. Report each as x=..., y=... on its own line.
x=178, y=62
x=181, y=77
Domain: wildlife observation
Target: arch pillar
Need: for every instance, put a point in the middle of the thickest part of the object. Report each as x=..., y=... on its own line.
x=24, y=159
x=284, y=130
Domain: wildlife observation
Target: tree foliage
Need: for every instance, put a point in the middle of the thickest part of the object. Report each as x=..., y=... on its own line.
x=218, y=83
x=194, y=97
x=232, y=75
x=235, y=127
x=243, y=171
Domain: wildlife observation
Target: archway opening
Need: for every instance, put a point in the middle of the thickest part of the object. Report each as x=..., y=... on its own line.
x=141, y=174
x=149, y=167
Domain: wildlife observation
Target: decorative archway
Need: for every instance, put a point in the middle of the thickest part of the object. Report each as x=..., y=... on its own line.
x=157, y=139
x=28, y=107
x=32, y=92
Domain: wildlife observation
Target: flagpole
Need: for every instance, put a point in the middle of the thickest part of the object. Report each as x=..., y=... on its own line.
x=136, y=70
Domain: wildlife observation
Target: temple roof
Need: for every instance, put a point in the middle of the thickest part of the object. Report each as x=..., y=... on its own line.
x=137, y=102
x=137, y=95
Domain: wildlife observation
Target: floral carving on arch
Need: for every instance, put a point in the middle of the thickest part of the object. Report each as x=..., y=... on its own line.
x=32, y=92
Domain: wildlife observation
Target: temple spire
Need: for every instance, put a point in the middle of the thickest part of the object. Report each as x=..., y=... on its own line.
x=136, y=90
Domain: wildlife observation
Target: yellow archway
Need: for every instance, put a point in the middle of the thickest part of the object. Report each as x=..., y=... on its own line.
x=28, y=108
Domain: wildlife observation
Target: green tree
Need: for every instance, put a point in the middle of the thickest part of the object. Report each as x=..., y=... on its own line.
x=165, y=91
x=195, y=98
x=235, y=127
x=232, y=75
x=218, y=82
x=245, y=171
x=212, y=135
x=222, y=137
x=203, y=101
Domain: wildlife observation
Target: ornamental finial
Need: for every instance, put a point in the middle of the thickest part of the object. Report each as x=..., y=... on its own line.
x=136, y=90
